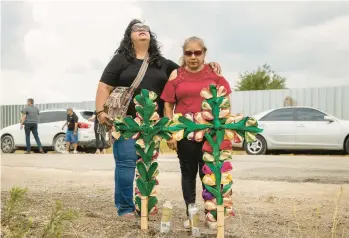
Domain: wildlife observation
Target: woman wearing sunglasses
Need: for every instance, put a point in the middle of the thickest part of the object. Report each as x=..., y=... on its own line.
x=121, y=71
x=182, y=95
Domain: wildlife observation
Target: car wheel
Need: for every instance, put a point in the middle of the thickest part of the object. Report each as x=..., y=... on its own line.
x=346, y=145
x=8, y=144
x=59, y=144
x=259, y=147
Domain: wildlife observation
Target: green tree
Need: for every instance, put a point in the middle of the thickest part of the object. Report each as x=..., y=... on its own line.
x=264, y=78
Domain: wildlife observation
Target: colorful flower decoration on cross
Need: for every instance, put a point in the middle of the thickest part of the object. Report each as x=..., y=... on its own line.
x=148, y=130
x=214, y=122
x=220, y=128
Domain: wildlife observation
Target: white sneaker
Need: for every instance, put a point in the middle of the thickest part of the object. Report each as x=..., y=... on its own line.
x=186, y=224
x=75, y=152
x=65, y=152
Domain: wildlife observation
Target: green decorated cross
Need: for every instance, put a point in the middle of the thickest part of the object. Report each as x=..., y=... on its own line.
x=220, y=128
x=148, y=131
x=214, y=122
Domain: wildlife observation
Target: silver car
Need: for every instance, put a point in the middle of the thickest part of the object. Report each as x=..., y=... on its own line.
x=298, y=128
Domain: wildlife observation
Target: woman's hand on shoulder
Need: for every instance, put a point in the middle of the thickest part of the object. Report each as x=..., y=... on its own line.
x=218, y=73
x=216, y=68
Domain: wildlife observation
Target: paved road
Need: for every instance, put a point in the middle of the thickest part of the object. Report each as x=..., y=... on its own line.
x=317, y=169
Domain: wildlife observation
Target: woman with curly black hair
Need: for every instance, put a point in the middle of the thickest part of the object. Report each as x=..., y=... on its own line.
x=121, y=71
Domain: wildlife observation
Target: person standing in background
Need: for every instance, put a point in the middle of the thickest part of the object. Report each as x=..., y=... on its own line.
x=30, y=116
x=100, y=138
x=72, y=130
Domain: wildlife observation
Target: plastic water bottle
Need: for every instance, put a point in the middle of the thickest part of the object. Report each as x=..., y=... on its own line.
x=194, y=219
x=166, y=217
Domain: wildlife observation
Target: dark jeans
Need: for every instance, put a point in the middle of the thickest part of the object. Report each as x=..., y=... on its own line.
x=31, y=127
x=125, y=160
x=100, y=138
x=190, y=160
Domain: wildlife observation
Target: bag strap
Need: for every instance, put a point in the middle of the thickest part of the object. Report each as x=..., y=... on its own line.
x=140, y=74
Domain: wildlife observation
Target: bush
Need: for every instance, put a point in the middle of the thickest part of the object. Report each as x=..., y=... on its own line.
x=15, y=224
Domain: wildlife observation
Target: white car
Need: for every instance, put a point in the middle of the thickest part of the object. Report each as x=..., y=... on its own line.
x=298, y=128
x=50, y=132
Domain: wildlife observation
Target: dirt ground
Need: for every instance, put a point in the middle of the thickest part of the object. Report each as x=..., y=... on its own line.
x=274, y=196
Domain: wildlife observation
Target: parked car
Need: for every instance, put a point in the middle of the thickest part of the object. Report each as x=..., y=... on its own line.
x=51, y=135
x=298, y=128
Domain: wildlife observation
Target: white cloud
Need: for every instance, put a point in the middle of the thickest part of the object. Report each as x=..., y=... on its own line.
x=333, y=33
x=70, y=42
x=68, y=36
x=317, y=54
x=74, y=33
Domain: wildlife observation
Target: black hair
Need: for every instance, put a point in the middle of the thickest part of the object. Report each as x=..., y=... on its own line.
x=126, y=46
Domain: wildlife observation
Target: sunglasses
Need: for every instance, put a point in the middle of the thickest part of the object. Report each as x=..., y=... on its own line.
x=189, y=53
x=140, y=27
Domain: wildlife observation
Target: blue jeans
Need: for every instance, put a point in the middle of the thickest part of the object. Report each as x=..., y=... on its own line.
x=125, y=164
x=31, y=127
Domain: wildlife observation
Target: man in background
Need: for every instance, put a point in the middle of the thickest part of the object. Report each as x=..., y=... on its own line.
x=72, y=130
x=30, y=116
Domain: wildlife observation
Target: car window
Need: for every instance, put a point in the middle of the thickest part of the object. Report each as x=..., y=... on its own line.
x=285, y=114
x=86, y=114
x=54, y=116
x=309, y=114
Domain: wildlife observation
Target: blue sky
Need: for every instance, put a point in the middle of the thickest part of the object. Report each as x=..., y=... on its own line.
x=56, y=51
